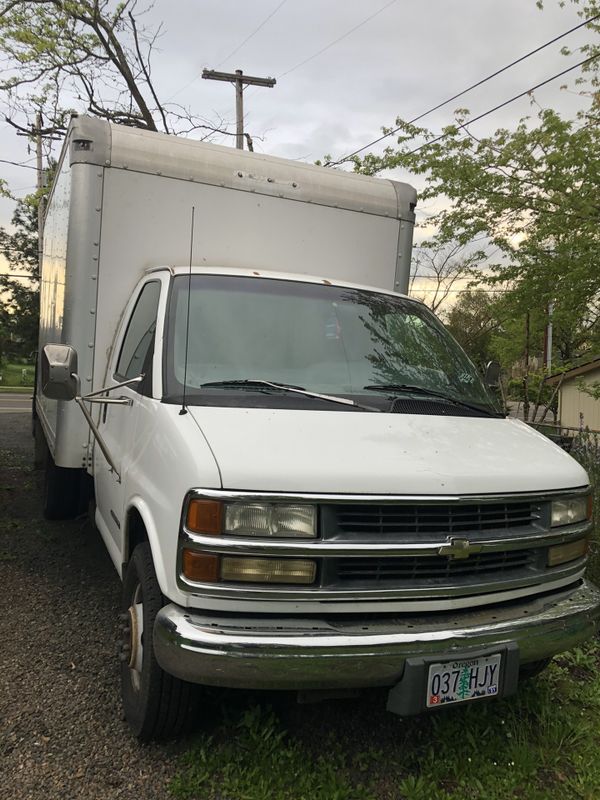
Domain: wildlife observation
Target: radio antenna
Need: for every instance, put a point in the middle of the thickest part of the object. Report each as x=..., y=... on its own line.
x=183, y=409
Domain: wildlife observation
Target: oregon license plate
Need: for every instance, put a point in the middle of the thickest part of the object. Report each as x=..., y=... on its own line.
x=464, y=679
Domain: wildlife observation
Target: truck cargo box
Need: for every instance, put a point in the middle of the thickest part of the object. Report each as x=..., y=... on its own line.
x=122, y=201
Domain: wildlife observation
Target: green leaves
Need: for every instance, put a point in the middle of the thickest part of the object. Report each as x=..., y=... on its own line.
x=531, y=193
x=93, y=50
x=20, y=299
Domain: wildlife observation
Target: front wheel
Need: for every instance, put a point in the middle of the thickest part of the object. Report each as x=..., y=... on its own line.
x=156, y=705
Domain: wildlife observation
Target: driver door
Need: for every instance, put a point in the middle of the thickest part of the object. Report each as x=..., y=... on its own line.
x=131, y=357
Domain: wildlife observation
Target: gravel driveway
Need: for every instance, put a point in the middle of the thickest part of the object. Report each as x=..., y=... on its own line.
x=61, y=729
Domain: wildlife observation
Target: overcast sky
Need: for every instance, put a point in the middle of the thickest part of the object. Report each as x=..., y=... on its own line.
x=406, y=58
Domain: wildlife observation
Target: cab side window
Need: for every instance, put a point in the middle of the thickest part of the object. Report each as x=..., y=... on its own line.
x=138, y=345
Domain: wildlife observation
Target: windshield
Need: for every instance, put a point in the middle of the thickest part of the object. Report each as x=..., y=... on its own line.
x=323, y=338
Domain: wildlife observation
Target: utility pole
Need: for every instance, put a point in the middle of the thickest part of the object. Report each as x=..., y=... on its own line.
x=40, y=186
x=526, y=377
x=549, y=338
x=240, y=81
x=36, y=134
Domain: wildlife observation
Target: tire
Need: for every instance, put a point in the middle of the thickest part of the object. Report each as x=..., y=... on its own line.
x=533, y=669
x=156, y=705
x=40, y=448
x=62, y=490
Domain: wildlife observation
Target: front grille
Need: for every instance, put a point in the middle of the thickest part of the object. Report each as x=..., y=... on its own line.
x=389, y=520
x=422, y=568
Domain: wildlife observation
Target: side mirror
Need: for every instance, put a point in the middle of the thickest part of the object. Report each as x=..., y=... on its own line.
x=492, y=373
x=59, y=372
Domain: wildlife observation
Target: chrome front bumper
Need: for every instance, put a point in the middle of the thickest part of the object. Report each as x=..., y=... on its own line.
x=289, y=653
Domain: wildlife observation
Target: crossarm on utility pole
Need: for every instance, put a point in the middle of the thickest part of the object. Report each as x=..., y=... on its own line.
x=239, y=80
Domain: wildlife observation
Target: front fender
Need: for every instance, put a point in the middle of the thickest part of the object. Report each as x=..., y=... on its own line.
x=168, y=455
x=137, y=503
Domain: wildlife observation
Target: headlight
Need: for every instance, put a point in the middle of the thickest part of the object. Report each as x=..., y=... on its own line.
x=570, y=510
x=270, y=520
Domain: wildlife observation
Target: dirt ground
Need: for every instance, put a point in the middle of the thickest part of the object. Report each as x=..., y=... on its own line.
x=62, y=734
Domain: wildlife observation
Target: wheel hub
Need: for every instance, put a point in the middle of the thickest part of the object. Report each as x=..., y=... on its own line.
x=135, y=642
x=132, y=644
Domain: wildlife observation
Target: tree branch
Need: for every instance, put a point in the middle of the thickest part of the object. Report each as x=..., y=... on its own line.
x=146, y=71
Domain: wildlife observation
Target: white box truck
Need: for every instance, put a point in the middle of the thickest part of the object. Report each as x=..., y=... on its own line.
x=298, y=474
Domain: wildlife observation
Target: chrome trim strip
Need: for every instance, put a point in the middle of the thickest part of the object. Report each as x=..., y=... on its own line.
x=310, y=548
x=284, y=653
x=235, y=495
x=411, y=600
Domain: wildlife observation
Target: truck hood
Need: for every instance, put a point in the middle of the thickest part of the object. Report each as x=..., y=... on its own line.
x=281, y=450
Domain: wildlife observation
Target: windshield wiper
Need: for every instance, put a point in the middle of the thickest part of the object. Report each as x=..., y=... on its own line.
x=285, y=387
x=407, y=387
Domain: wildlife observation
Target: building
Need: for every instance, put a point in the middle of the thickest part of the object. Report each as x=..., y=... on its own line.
x=576, y=408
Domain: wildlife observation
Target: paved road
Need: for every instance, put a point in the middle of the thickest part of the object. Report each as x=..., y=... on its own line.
x=15, y=403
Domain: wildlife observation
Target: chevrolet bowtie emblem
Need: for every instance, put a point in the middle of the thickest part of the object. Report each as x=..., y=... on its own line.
x=459, y=548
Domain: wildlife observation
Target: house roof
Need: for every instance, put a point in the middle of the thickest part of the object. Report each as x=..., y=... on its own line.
x=574, y=372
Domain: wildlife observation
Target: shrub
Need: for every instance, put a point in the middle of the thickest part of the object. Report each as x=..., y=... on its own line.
x=586, y=449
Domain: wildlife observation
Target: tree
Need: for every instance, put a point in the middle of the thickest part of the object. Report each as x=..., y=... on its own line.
x=20, y=303
x=464, y=683
x=592, y=389
x=588, y=10
x=533, y=194
x=60, y=56
x=473, y=321
x=4, y=334
x=442, y=265
x=93, y=55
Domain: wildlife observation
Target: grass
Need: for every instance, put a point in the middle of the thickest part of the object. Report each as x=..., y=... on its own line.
x=539, y=744
x=252, y=757
x=16, y=375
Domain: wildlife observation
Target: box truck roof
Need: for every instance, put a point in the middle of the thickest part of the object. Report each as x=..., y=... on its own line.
x=98, y=142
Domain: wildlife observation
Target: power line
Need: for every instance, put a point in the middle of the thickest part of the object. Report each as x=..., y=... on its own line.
x=254, y=32
x=17, y=164
x=464, y=91
x=233, y=52
x=505, y=103
x=339, y=39
x=335, y=41
x=415, y=289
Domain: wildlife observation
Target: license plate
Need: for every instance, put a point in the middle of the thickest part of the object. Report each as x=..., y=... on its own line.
x=465, y=679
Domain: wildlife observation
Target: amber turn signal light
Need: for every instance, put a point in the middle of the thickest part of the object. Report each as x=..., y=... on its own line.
x=204, y=516
x=563, y=553
x=200, y=567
